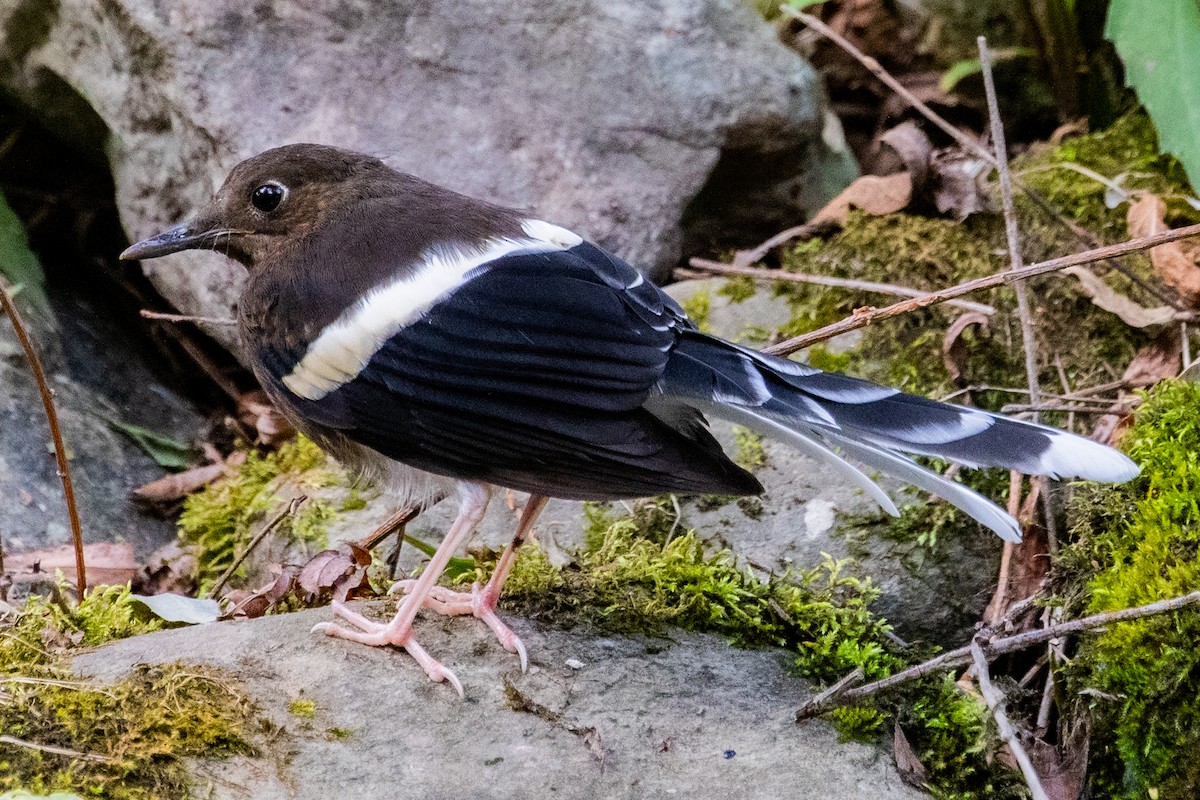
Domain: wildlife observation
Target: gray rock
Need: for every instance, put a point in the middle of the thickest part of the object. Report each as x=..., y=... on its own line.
x=97, y=378
x=609, y=118
x=686, y=716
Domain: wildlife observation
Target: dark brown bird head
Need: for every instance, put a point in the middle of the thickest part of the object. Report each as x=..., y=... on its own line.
x=275, y=197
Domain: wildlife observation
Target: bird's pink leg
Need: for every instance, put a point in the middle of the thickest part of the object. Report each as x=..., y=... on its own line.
x=473, y=500
x=481, y=602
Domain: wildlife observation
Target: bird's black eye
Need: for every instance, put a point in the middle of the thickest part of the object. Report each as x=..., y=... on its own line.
x=267, y=197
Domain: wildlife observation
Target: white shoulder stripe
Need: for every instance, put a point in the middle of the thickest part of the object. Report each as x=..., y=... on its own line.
x=347, y=344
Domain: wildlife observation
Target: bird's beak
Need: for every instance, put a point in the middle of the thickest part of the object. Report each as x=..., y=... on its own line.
x=200, y=232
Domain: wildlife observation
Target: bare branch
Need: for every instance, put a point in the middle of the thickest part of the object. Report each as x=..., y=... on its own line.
x=998, y=647
x=58, y=751
x=162, y=315
x=863, y=317
x=717, y=268
x=995, y=702
x=60, y=449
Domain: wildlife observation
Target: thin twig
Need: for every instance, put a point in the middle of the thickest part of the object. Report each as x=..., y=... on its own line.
x=863, y=317
x=995, y=702
x=1009, y=644
x=1012, y=233
x=805, y=231
x=58, y=751
x=60, y=449
x=717, y=268
x=258, y=537
x=162, y=315
x=831, y=694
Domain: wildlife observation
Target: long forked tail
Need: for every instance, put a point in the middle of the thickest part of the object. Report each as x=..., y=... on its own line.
x=818, y=412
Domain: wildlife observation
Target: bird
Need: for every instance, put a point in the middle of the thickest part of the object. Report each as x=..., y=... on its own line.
x=450, y=346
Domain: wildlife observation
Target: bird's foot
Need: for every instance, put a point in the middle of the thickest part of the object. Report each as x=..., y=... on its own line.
x=480, y=603
x=380, y=634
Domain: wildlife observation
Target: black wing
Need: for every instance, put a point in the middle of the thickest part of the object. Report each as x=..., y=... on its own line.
x=535, y=375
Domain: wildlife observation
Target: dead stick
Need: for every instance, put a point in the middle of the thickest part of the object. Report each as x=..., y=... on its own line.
x=863, y=317
x=258, y=537
x=717, y=268
x=832, y=693
x=60, y=449
x=58, y=751
x=1010, y=644
x=995, y=700
x=162, y=315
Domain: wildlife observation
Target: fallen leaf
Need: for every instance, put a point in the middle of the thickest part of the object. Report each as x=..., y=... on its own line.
x=254, y=604
x=107, y=564
x=1175, y=262
x=874, y=194
x=171, y=569
x=1063, y=769
x=336, y=573
x=177, y=608
x=954, y=349
x=912, y=147
x=178, y=485
x=911, y=770
x=957, y=181
x=1157, y=361
x=166, y=452
x=1109, y=299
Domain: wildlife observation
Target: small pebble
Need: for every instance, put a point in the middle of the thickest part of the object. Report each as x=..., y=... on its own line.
x=574, y=663
x=729, y=754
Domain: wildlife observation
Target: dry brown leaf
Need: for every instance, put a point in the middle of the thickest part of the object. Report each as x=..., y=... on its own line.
x=957, y=183
x=1175, y=262
x=340, y=573
x=913, y=149
x=954, y=349
x=243, y=603
x=1063, y=769
x=874, y=194
x=171, y=569
x=179, y=485
x=911, y=770
x=1157, y=361
x=107, y=564
x=1109, y=299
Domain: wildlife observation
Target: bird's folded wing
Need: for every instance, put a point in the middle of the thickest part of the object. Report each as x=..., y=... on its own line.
x=533, y=374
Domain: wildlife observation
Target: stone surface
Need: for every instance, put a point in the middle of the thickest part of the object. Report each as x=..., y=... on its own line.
x=609, y=118
x=97, y=379
x=683, y=716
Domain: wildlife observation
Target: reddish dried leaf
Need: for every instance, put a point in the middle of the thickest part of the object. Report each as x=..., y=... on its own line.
x=107, y=564
x=1175, y=262
x=180, y=485
x=913, y=149
x=954, y=349
x=1157, y=361
x=874, y=194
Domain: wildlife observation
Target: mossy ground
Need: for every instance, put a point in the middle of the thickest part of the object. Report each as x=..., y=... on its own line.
x=141, y=726
x=1135, y=544
x=220, y=520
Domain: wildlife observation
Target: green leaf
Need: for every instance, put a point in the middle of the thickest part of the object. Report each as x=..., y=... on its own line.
x=456, y=569
x=960, y=70
x=166, y=452
x=1159, y=43
x=18, y=264
x=177, y=608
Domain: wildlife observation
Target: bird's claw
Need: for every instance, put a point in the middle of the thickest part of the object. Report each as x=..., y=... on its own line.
x=479, y=603
x=379, y=634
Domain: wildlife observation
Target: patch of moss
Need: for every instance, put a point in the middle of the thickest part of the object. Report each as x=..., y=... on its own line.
x=698, y=307
x=750, y=453
x=220, y=519
x=738, y=288
x=303, y=708
x=139, y=728
x=1137, y=543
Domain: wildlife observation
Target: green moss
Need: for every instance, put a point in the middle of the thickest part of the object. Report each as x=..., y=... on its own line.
x=738, y=289
x=1137, y=543
x=698, y=307
x=303, y=708
x=142, y=726
x=750, y=453
x=221, y=518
